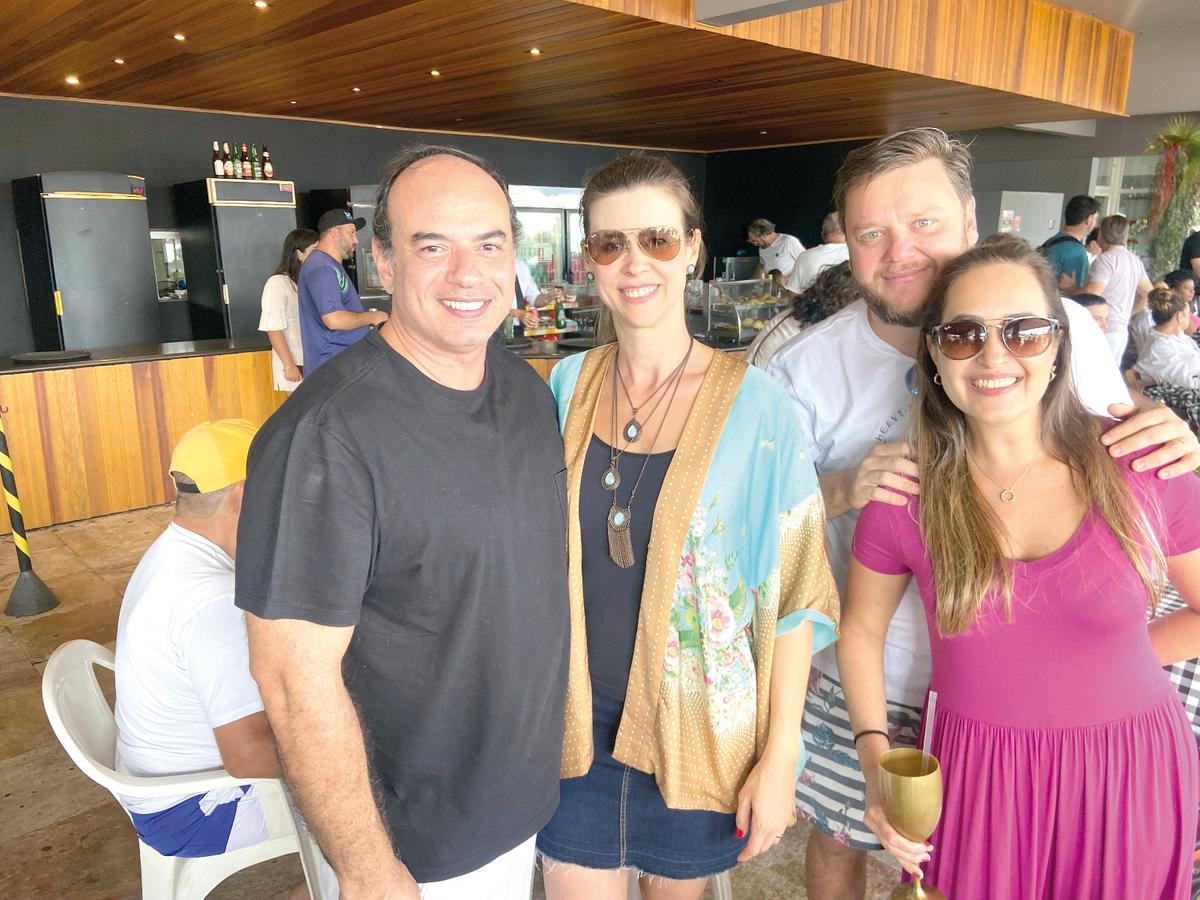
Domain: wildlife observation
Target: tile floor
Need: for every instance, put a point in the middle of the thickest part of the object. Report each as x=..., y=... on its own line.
x=63, y=836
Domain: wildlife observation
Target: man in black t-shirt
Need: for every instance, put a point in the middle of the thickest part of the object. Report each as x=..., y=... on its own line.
x=401, y=560
x=1189, y=257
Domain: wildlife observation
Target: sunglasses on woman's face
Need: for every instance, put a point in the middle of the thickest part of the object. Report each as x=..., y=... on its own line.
x=1023, y=336
x=661, y=243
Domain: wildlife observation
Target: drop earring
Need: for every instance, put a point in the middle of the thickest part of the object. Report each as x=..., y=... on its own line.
x=937, y=378
x=691, y=269
x=591, y=276
x=1053, y=371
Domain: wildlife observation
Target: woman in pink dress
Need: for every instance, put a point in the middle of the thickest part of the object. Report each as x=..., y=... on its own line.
x=1069, y=764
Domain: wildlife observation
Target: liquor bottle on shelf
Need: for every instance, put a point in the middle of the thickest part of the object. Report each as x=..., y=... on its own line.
x=267, y=165
x=237, y=161
x=218, y=163
x=255, y=166
x=247, y=169
x=227, y=161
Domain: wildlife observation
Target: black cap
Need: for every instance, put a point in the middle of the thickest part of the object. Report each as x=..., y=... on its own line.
x=335, y=217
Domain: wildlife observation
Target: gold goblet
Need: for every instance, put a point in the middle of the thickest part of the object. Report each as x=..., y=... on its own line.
x=910, y=785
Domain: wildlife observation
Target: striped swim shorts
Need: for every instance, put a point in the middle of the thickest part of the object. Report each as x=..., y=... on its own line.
x=830, y=793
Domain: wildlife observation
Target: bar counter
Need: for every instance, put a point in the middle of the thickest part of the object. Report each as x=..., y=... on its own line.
x=93, y=436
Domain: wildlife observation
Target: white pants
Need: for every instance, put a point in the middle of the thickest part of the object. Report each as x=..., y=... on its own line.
x=507, y=877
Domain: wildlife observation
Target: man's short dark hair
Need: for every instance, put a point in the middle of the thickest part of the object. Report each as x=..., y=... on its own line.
x=1079, y=208
x=1178, y=277
x=381, y=224
x=759, y=227
x=1088, y=299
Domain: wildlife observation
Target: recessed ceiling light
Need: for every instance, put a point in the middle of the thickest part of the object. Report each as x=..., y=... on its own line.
x=72, y=79
x=434, y=72
x=459, y=119
x=180, y=37
x=762, y=132
x=119, y=61
x=261, y=4
x=534, y=51
x=293, y=102
x=356, y=89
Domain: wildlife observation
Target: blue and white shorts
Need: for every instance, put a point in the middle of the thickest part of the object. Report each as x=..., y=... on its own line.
x=831, y=793
x=205, y=824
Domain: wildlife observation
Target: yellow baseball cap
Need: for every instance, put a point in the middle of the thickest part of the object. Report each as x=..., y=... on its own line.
x=213, y=455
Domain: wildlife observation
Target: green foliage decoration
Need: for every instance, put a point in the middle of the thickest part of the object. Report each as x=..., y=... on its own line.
x=1175, y=203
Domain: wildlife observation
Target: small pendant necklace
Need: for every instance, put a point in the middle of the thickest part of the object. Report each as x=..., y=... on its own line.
x=633, y=428
x=1006, y=493
x=620, y=518
x=610, y=478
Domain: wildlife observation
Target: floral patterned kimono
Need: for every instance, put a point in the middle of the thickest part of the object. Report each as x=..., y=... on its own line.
x=736, y=558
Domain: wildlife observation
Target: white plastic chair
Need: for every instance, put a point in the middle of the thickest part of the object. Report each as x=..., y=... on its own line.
x=84, y=725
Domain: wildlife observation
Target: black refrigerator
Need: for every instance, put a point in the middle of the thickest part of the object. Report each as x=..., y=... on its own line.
x=360, y=200
x=232, y=233
x=88, y=266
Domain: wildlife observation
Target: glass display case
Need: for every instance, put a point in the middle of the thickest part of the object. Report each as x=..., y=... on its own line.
x=736, y=311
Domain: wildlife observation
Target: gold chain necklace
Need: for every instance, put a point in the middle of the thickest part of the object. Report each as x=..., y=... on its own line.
x=1006, y=493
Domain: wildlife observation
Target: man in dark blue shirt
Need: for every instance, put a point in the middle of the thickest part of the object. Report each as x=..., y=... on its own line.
x=331, y=315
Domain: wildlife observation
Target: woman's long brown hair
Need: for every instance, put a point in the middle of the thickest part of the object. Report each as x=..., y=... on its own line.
x=961, y=532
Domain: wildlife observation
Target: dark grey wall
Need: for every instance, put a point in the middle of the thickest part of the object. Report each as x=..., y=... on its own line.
x=169, y=146
x=791, y=186
x=1016, y=160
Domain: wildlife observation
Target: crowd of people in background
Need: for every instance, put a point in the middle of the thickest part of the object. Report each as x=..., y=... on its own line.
x=746, y=584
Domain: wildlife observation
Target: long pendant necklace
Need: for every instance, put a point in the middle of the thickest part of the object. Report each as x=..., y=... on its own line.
x=633, y=428
x=620, y=518
x=610, y=478
x=1006, y=493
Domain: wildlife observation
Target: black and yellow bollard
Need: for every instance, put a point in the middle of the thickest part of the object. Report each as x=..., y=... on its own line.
x=30, y=595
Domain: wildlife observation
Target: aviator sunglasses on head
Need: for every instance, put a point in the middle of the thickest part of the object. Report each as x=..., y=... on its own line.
x=1024, y=336
x=607, y=246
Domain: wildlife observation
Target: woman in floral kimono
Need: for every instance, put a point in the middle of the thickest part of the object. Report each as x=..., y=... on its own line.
x=699, y=586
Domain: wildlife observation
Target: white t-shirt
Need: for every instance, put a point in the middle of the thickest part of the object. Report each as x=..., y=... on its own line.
x=1169, y=359
x=1140, y=327
x=529, y=288
x=182, y=664
x=1120, y=271
x=781, y=254
x=281, y=312
x=778, y=332
x=810, y=263
x=849, y=390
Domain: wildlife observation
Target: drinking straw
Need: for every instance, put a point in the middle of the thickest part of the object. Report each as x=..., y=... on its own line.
x=930, y=708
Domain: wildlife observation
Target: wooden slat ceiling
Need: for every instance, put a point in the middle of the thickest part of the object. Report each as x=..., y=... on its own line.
x=624, y=72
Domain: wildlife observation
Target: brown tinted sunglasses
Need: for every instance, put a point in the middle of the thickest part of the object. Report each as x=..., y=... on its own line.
x=1023, y=336
x=660, y=242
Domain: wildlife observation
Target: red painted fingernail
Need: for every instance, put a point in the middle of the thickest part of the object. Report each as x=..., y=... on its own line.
x=740, y=833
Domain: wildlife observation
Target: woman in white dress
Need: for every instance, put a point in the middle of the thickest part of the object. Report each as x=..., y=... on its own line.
x=281, y=310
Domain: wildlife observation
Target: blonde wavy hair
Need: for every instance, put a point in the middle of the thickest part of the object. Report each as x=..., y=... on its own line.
x=961, y=532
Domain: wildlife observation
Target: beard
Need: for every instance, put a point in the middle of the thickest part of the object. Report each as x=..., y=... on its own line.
x=890, y=314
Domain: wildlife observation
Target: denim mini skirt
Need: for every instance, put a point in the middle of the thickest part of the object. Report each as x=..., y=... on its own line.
x=614, y=817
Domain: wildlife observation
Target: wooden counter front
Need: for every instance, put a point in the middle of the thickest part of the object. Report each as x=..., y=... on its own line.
x=90, y=440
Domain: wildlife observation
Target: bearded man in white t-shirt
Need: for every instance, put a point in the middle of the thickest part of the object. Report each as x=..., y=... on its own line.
x=907, y=209
x=185, y=699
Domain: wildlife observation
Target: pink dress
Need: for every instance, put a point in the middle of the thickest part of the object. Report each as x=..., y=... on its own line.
x=1069, y=764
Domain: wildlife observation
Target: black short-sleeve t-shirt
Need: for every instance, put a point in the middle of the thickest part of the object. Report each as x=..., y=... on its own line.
x=1191, y=250
x=433, y=522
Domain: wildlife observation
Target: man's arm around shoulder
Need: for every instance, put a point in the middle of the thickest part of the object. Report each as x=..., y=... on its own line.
x=298, y=667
